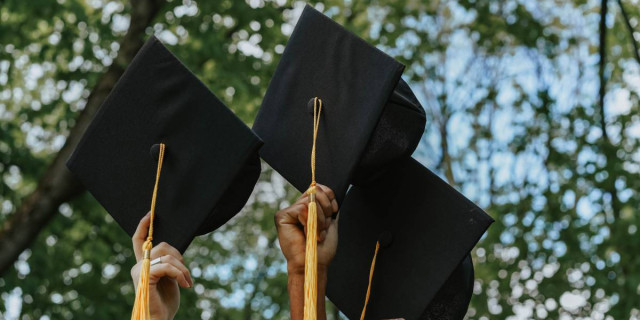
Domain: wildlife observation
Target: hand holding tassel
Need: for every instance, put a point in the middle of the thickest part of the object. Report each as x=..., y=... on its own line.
x=292, y=224
x=165, y=276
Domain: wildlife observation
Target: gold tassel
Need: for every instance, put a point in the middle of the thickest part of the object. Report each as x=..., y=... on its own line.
x=141, y=304
x=311, y=260
x=311, y=249
x=373, y=266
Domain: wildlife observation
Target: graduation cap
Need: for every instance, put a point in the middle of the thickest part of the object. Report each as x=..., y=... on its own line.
x=369, y=117
x=412, y=233
x=209, y=165
x=162, y=142
x=340, y=102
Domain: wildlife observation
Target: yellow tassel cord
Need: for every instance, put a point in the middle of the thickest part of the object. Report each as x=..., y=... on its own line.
x=373, y=266
x=311, y=250
x=141, y=305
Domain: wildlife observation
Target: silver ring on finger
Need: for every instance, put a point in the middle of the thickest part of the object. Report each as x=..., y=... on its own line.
x=156, y=261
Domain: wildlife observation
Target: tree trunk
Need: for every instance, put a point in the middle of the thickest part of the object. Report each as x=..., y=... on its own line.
x=609, y=148
x=58, y=185
x=601, y=69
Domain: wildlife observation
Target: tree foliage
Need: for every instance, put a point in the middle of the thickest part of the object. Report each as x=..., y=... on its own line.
x=511, y=93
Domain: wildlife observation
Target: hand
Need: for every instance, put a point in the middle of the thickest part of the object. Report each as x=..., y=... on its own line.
x=291, y=224
x=164, y=277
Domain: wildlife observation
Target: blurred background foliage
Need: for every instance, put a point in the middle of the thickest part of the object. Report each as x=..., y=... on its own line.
x=516, y=121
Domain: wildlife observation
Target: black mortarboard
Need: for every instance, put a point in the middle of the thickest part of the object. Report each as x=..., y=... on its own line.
x=369, y=117
x=426, y=230
x=211, y=162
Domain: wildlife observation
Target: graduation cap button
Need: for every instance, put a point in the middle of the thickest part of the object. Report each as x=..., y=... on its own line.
x=310, y=106
x=385, y=238
x=155, y=152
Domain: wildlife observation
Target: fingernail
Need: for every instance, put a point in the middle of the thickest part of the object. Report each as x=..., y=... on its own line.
x=334, y=204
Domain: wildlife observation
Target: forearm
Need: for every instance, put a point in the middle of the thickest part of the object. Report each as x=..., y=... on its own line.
x=296, y=294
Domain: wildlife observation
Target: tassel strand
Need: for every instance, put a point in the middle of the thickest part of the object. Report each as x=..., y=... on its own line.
x=141, y=309
x=373, y=266
x=311, y=249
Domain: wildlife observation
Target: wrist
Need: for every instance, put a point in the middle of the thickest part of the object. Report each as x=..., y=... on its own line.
x=294, y=269
x=295, y=287
x=297, y=272
x=161, y=317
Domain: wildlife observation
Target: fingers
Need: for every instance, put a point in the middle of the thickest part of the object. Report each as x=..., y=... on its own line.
x=331, y=232
x=301, y=214
x=331, y=196
x=323, y=220
x=324, y=197
x=140, y=235
x=171, y=265
x=297, y=214
x=172, y=269
x=327, y=206
x=164, y=249
x=324, y=202
x=333, y=227
x=289, y=216
x=322, y=235
x=168, y=266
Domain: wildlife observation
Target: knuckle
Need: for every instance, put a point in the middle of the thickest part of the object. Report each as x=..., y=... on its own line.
x=325, y=189
x=173, y=251
x=175, y=260
x=299, y=208
x=278, y=217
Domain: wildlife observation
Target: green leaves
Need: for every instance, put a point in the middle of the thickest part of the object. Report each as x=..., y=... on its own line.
x=510, y=92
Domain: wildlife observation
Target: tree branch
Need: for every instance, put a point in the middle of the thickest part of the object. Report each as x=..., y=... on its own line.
x=636, y=53
x=446, y=162
x=603, y=61
x=58, y=185
x=607, y=143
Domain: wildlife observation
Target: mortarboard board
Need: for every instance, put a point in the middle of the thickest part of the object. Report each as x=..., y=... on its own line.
x=426, y=230
x=338, y=99
x=210, y=165
x=369, y=119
